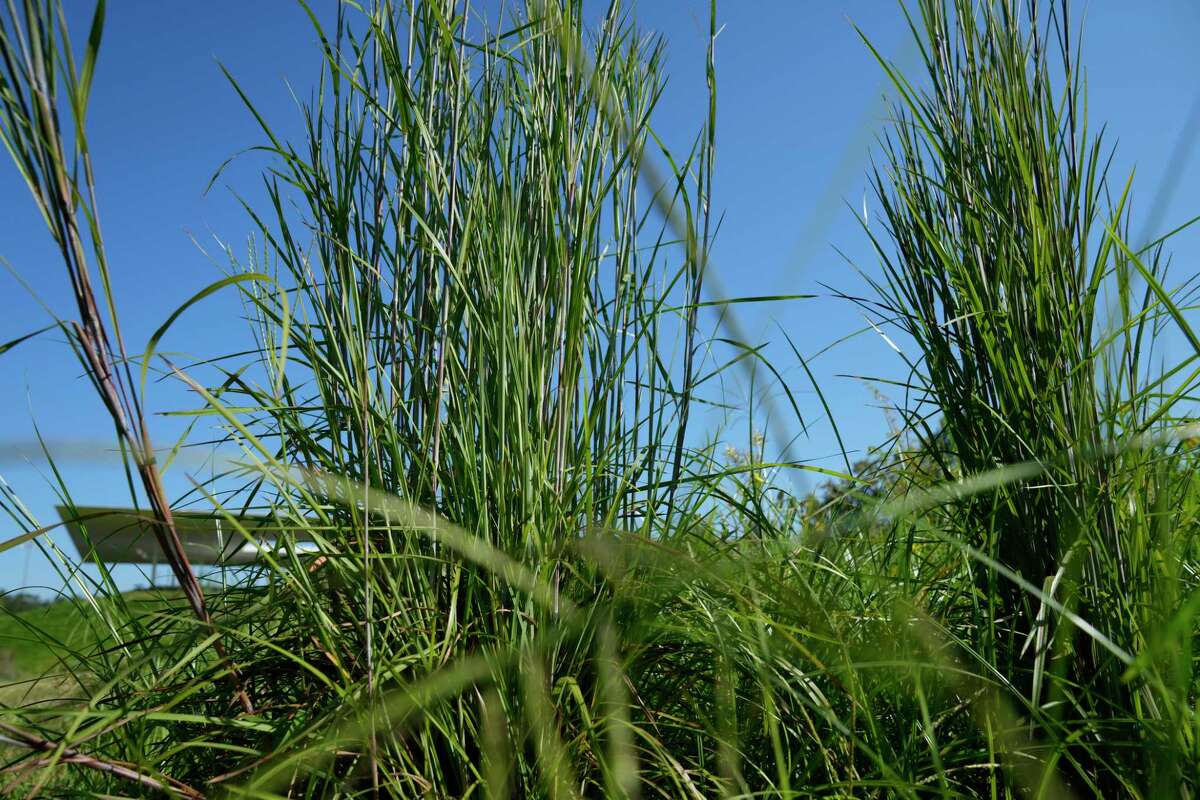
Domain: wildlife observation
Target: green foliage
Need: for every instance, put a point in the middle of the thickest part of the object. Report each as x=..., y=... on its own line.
x=26, y=623
x=474, y=308
x=1033, y=319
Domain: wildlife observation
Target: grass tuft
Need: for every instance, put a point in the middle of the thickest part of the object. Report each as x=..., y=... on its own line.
x=473, y=302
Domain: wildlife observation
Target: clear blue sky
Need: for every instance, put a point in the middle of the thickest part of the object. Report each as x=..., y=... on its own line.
x=799, y=103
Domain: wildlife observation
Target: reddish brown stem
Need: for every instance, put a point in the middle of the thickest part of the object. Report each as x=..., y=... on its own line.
x=120, y=769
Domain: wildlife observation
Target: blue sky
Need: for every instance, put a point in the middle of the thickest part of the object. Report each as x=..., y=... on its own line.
x=800, y=100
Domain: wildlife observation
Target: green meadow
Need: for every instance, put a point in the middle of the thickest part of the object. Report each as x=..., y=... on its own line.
x=479, y=378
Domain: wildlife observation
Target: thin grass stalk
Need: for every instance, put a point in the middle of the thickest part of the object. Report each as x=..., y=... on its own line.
x=33, y=46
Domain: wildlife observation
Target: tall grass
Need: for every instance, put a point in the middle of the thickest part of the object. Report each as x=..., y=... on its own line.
x=44, y=101
x=1035, y=322
x=475, y=315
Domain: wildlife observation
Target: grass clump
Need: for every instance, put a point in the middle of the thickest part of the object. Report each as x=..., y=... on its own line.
x=1035, y=321
x=474, y=307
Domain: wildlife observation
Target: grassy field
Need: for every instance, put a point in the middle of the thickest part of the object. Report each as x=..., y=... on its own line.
x=25, y=636
x=475, y=366
x=35, y=641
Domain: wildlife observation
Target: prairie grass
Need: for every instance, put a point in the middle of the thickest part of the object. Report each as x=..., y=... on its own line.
x=474, y=294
